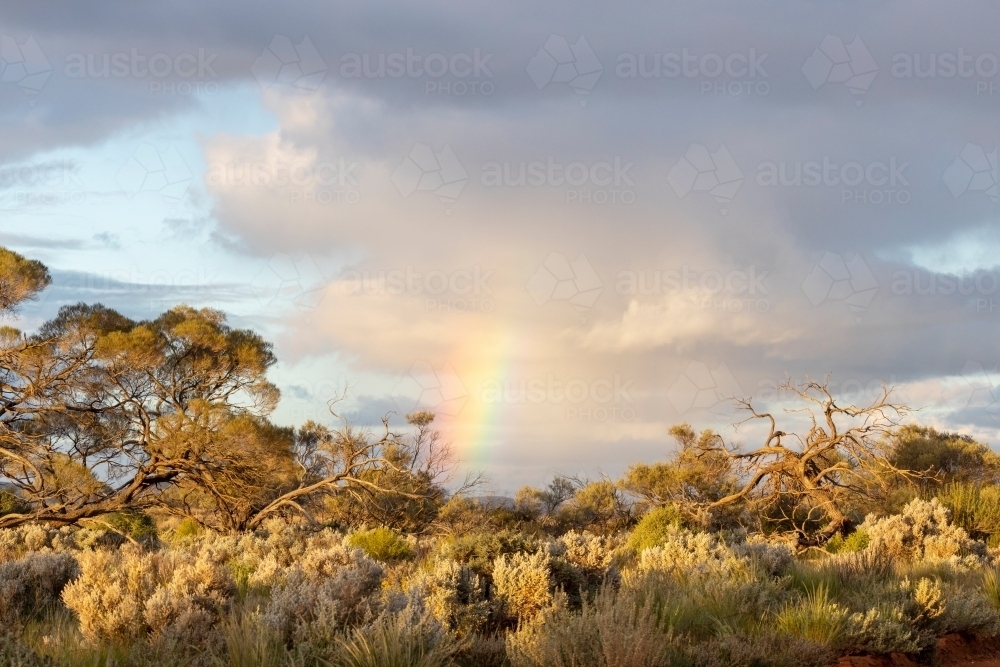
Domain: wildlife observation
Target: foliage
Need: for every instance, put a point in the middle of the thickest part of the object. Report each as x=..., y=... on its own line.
x=30, y=587
x=923, y=531
x=381, y=544
x=405, y=639
x=655, y=527
x=974, y=507
x=136, y=525
x=856, y=541
x=945, y=457
x=523, y=583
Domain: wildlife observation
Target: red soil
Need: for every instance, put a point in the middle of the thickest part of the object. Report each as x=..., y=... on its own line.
x=952, y=651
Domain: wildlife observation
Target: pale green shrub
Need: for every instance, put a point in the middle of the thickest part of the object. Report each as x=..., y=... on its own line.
x=901, y=616
x=109, y=597
x=31, y=586
x=773, y=557
x=326, y=591
x=617, y=629
x=686, y=553
x=923, y=531
x=381, y=544
x=856, y=541
x=593, y=555
x=455, y=595
x=188, y=602
x=655, y=526
x=522, y=582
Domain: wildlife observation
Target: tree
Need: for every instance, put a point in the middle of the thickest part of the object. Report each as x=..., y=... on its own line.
x=20, y=279
x=598, y=506
x=402, y=489
x=697, y=474
x=102, y=414
x=943, y=457
x=808, y=481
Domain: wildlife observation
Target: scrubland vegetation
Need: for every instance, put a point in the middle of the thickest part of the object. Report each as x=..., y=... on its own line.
x=151, y=514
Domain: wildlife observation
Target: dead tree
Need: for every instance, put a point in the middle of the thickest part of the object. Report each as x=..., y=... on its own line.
x=809, y=480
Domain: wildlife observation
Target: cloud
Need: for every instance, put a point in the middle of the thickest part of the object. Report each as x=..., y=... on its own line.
x=717, y=164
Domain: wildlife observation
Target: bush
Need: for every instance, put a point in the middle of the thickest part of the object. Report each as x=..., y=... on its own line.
x=617, y=629
x=522, y=582
x=480, y=550
x=853, y=543
x=382, y=544
x=325, y=592
x=30, y=587
x=974, y=508
x=406, y=639
x=684, y=553
x=186, y=605
x=656, y=526
x=109, y=597
x=923, y=532
x=10, y=503
x=137, y=525
x=456, y=596
x=816, y=619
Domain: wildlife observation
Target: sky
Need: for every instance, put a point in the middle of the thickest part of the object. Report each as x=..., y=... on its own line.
x=562, y=226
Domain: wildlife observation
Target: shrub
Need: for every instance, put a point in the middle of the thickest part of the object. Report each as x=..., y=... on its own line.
x=189, y=601
x=656, y=526
x=522, y=582
x=854, y=542
x=325, y=592
x=456, y=596
x=685, y=553
x=816, y=618
x=617, y=629
x=187, y=528
x=15, y=654
x=480, y=550
x=382, y=544
x=923, y=532
x=582, y=562
x=30, y=587
x=137, y=525
x=406, y=639
x=109, y=597
x=10, y=503
x=974, y=508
